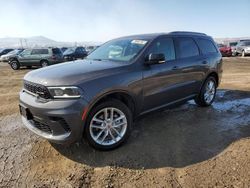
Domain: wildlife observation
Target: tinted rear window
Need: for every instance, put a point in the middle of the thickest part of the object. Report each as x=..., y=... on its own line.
x=40, y=51
x=207, y=46
x=186, y=47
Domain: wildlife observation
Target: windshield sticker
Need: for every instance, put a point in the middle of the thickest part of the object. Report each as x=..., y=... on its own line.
x=142, y=42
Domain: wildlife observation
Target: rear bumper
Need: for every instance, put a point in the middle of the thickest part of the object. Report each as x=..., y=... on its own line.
x=58, y=121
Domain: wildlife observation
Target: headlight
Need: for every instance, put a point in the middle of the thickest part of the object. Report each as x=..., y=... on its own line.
x=71, y=92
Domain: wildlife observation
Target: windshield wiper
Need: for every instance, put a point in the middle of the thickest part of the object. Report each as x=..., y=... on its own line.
x=95, y=59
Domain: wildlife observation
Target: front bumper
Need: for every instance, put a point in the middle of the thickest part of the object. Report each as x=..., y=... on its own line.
x=226, y=53
x=59, y=121
x=4, y=59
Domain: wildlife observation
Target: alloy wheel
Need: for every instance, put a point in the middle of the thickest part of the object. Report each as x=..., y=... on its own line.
x=108, y=126
x=209, y=91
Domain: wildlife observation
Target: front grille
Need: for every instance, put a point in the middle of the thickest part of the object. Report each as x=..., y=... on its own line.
x=37, y=89
x=42, y=127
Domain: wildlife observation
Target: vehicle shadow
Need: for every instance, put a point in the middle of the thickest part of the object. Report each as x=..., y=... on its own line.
x=178, y=137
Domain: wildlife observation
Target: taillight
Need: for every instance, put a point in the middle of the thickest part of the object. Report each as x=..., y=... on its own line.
x=53, y=57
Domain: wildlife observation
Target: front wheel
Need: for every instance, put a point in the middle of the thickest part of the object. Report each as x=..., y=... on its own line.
x=108, y=125
x=207, y=94
x=15, y=65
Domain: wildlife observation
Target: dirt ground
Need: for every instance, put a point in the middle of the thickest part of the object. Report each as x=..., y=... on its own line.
x=187, y=146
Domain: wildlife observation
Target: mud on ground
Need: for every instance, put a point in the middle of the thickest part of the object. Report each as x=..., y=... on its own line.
x=187, y=146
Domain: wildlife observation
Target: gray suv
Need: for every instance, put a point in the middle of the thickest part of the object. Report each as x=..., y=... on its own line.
x=243, y=48
x=36, y=57
x=99, y=97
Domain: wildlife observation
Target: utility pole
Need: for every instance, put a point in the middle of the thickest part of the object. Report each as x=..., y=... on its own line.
x=21, y=42
x=25, y=40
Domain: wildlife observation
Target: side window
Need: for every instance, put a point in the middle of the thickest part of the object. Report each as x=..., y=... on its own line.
x=206, y=46
x=26, y=52
x=44, y=51
x=39, y=51
x=186, y=47
x=35, y=52
x=165, y=46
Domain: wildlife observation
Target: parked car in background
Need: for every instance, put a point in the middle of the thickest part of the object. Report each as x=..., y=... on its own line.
x=11, y=54
x=225, y=50
x=243, y=48
x=75, y=53
x=63, y=49
x=5, y=51
x=90, y=49
x=37, y=57
x=99, y=97
x=233, y=47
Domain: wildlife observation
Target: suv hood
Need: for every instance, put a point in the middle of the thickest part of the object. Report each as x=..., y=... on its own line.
x=72, y=73
x=9, y=55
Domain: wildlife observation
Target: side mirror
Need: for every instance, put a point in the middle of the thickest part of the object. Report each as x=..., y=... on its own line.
x=152, y=59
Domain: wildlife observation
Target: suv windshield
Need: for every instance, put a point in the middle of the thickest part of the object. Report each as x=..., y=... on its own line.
x=118, y=50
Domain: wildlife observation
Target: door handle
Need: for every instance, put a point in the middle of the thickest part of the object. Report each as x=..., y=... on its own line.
x=175, y=68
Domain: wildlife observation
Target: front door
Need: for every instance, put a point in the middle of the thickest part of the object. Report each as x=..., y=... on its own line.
x=25, y=57
x=161, y=81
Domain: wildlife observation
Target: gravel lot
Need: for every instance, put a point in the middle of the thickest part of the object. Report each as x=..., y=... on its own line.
x=187, y=146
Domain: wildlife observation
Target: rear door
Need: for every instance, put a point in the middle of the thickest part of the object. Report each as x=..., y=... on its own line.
x=36, y=56
x=210, y=53
x=43, y=54
x=190, y=64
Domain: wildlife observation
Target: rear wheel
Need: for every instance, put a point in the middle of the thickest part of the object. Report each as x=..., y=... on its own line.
x=207, y=94
x=108, y=125
x=15, y=65
x=44, y=63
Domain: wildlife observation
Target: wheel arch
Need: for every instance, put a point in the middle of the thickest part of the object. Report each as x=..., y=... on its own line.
x=215, y=75
x=44, y=60
x=121, y=95
x=14, y=59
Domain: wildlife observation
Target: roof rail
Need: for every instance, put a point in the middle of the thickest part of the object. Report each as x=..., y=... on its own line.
x=187, y=32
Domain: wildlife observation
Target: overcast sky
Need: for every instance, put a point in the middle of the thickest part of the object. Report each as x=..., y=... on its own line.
x=101, y=20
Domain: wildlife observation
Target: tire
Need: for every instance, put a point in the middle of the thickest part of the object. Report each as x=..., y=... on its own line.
x=243, y=53
x=102, y=129
x=206, y=96
x=44, y=63
x=15, y=65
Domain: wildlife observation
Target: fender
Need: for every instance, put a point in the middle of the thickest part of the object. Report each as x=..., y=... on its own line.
x=97, y=98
